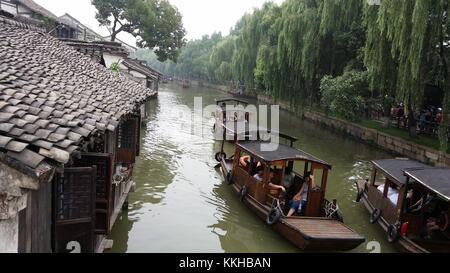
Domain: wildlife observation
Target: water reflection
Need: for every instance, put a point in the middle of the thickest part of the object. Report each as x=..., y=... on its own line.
x=241, y=231
x=121, y=236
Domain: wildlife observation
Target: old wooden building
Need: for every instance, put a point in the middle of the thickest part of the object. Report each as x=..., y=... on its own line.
x=30, y=12
x=84, y=33
x=69, y=136
x=116, y=56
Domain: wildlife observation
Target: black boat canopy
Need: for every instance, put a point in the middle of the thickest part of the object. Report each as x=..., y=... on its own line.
x=225, y=100
x=435, y=179
x=394, y=168
x=272, y=153
x=242, y=128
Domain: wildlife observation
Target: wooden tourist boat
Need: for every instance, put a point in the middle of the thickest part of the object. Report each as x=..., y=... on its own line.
x=236, y=123
x=398, y=197
x=320, y=226
x=238, y=117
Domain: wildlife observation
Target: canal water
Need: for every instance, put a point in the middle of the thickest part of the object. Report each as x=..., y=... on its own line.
x=181, y=203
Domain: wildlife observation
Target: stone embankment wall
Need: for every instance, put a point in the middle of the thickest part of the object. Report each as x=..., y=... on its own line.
x=387, y=142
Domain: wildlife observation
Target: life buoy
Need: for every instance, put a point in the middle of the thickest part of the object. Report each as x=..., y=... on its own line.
x=273, y=217
x=243, y=193
x=244, y=160
x=393, y=234
x=230, y=178
x=376, y=213
x=220, y=155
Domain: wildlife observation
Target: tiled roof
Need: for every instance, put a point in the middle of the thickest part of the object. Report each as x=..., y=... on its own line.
x=141, y=68
x=53, y=97
x=90, y=48
x=38, y=8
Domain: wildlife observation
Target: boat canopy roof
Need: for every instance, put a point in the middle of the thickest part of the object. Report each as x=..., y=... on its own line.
x=394, y=168
x=243, y=127
x=270, y=152
x=435, y=179
x=225, y=100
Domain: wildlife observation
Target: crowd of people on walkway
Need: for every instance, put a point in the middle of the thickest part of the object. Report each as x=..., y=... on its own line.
x=427, y=120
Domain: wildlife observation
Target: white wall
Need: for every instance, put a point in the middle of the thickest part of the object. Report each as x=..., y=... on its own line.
x=110, y=59
x=8, y=7
x=137, y=74
x=13, y=199
x=23, y=9
x=9, y=235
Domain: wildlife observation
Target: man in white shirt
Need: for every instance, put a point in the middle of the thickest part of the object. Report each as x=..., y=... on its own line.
x=259, y=175
x=392, y=193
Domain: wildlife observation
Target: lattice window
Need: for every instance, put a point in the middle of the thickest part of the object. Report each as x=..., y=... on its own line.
x=74, y=196
x=126, y=135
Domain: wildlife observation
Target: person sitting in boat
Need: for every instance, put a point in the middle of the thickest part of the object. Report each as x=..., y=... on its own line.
x=274, y=188
x=245, y=163
x=288, y=177
x=440, y=223
x=298, y=203
x=259, y=176
x=392, y=192
x=429, y=200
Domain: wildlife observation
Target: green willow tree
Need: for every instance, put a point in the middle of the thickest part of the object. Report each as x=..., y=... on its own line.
x=155, y=23
x=407, y=48
x=284, y=51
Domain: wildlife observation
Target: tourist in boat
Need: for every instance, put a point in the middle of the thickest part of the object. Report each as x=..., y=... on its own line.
x=244, y=160
x=298, y=203
x=440, y=223
x=288, y=177
x=259, y=174
x=392, y=192
x=428, y=200
x=274, y=188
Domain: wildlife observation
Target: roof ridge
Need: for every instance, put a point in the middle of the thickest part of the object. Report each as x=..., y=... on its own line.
x=38, y=8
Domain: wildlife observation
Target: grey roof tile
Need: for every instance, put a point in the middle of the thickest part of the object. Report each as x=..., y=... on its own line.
x=6, y=127
x=64, y=144
x=16, y=132
x=43, y=144
x=31, y=128
x=62, y=131
x=18, y=122
x=56, y=154
x=4, y=141
x=43, y=133
x=27, y=157
x=55, y=137
x=82, y=131
x=42, y=123
x=51, y=95
x=16, y=146
x=4, y=117
x=28, y=138
x=74, y=136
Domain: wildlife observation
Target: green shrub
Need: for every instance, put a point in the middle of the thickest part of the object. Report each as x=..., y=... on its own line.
x=346, y=96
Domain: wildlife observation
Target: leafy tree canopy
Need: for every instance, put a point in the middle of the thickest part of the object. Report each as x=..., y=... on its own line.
x=155, y=23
